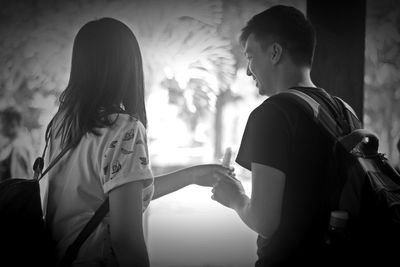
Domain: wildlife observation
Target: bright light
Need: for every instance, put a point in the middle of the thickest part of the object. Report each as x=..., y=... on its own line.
x=168, y=72
x=188, y=223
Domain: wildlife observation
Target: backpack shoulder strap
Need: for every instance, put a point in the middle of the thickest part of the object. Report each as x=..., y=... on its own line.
x=347, y=106
x=39, y=162
x=319, y=114
x=351, y=116
x=73, y=249
x=331, y=127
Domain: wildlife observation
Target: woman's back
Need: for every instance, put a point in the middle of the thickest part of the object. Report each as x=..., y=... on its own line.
x=83, y=178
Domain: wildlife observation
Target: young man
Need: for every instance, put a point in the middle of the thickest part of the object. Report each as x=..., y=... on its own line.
x=284, y=150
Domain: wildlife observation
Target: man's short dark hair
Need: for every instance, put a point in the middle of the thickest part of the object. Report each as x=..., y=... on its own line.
x=287, y=26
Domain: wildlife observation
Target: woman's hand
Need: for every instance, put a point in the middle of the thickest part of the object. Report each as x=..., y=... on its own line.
x=209, y=174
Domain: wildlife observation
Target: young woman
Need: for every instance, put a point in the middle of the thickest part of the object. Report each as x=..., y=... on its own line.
x=102, y=117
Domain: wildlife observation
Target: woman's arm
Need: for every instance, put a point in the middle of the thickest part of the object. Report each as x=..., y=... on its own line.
x=203, y=175
x=127, y=236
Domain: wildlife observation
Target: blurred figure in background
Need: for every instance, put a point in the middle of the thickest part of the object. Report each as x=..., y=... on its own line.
x=16, y=151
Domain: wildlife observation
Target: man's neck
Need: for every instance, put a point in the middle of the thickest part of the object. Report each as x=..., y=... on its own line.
x=295, y=77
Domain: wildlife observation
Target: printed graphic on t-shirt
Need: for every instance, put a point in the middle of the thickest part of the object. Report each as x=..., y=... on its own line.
x=144, y=161
x=129, y=135
x=113, y=144
x=116, y=167
x=126, y=152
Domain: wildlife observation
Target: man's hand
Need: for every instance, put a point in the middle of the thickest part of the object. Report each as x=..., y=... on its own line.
x=229, y=192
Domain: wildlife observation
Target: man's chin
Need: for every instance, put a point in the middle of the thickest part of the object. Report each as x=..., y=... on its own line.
x=261, y=91
x=265, y=92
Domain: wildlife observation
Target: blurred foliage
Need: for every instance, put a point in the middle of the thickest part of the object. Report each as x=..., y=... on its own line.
x=382, y=79
x=36, y=43
x=193, y=43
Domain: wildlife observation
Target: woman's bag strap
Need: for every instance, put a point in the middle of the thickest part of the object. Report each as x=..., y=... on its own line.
x=39, y=162
x=53, y=162
x=73, y=249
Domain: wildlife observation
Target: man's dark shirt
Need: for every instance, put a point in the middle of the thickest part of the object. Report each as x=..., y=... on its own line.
x=280, y=135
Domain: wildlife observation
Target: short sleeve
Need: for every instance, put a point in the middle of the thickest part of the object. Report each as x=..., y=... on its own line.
x=266, y=139
x=125, y=157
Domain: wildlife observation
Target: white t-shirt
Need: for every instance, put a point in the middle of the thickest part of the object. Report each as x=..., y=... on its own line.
x=80, y=182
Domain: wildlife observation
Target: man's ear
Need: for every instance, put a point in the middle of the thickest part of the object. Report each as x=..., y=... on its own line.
x=276, y=53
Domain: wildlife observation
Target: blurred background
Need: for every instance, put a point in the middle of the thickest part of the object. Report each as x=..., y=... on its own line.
x=197, y=94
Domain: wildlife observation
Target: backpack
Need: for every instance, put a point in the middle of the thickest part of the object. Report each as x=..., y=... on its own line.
x=25, y=240
x=359, y=181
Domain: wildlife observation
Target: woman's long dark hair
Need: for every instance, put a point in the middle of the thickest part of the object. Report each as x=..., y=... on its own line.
x=106, y=78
